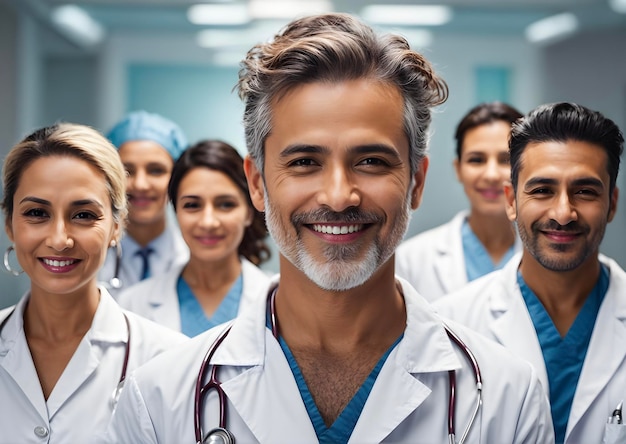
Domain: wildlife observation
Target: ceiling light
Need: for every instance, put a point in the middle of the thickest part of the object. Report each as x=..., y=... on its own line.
x=419, y=15
x=618, y=6
x=287, y=9
x=75, y=23
x=551, y=29
x=235, y=14
x=213, y=38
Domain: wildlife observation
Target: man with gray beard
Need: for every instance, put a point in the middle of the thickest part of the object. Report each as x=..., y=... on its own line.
x=559, y=304
x=336, y=349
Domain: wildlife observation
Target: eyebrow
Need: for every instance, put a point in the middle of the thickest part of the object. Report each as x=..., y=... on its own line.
x=584, y=181
x=359, y=149
x=76, y=203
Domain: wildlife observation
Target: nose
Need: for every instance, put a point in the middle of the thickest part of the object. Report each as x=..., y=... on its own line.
x=209, y=217
x=339, y=190
x=139, y=180
x=562, y=210
x=493, y=170
x=59, y=238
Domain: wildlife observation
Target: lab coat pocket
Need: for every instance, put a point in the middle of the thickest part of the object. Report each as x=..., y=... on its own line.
x=614, y=433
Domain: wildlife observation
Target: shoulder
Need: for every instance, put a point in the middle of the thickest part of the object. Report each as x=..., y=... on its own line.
x=151, y=337
x=159, y=287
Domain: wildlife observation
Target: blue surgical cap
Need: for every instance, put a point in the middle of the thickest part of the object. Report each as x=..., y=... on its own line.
x=141, y=125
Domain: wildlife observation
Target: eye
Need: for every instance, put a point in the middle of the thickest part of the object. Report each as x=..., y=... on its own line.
x=157, y=171
x=540, y=191
x=86, y=215
x=190, y=205
x=303, y=162
x=36, y=213
x=475, y=159
x=373, y=161
x=227, y=205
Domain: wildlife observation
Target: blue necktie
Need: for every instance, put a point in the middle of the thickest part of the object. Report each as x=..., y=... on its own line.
x=144, y=253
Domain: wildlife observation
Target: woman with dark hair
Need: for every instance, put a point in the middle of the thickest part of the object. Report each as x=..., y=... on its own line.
x=226, y=239
x=477, y=241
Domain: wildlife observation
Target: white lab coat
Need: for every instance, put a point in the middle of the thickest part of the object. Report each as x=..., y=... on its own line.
x=79, y=408
x=128, y=276
x=408, y=403
x=433, y=261
x=156, y=298
x=493, y=305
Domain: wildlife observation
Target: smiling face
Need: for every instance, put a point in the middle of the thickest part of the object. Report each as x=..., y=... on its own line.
x=62, y=224
x=562, y=205
x=484, y=167
x=337, y=191
x=149, y=167
x=212, y=213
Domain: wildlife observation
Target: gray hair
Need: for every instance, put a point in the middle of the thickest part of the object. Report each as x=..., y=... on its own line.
x=335, y=48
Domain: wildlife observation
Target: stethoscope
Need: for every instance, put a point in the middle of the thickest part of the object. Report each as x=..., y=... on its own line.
x=118, y=388
x=221, y=435
x=115, y=282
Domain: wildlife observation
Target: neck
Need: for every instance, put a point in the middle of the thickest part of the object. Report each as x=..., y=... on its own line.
x=58, y=317
x=561, y=293
x=212, y=275
x=372, y=314
x=143, y=234
x=496, y=233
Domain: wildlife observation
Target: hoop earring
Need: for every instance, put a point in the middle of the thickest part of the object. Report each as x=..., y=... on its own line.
x=7, y=265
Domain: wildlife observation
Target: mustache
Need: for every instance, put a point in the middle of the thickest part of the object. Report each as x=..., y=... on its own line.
x=350, y=215
x=552, y=225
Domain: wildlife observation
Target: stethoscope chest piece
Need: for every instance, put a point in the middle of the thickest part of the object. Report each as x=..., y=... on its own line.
x=115, y=283
x=219, y=435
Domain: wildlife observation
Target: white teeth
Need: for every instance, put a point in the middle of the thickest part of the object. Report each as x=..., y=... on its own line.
x=334, y=229
x=55, y=263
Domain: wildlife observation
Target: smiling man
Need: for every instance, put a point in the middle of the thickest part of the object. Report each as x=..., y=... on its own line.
x=559, y=304
x=336, y=349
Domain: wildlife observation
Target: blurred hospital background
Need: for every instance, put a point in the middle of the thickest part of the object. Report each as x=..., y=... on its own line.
x=91, y=61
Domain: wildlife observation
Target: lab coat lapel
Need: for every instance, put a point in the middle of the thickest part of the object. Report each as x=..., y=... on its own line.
x=512, y=325
x=271, y=389
x=600, y=365
x=424, y=348
x=163, y=299
x=16, y=359
x=449, y=264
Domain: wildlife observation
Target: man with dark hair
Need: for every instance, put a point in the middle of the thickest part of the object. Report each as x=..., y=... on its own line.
x=560, y=304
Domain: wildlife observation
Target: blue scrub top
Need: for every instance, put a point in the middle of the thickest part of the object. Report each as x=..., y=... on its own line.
x=564, y=356
x=341, y=430
x=193, y=321
x=477, y=260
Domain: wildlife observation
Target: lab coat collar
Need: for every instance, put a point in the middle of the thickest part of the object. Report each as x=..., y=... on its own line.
x=424, y=348
x=424, y=332
x=450, y=255
x=511, y=317
x=108, y=325
x=609, y=333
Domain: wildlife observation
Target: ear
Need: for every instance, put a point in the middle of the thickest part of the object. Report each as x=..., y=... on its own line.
x=510, y=204
x=613, y=204
x=255, y=183
x=8, y=229
x=419, y=182
x=457, y=168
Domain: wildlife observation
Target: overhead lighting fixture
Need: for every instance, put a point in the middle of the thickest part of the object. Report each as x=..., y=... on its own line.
x=408, y=15
x=287, y=9
x=217, y=39
x=218, y=14
x=618, y=6
x=78, y=25
x=552, y=29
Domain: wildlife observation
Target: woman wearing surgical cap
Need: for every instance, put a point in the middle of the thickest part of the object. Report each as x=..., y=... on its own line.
x=148, y=145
